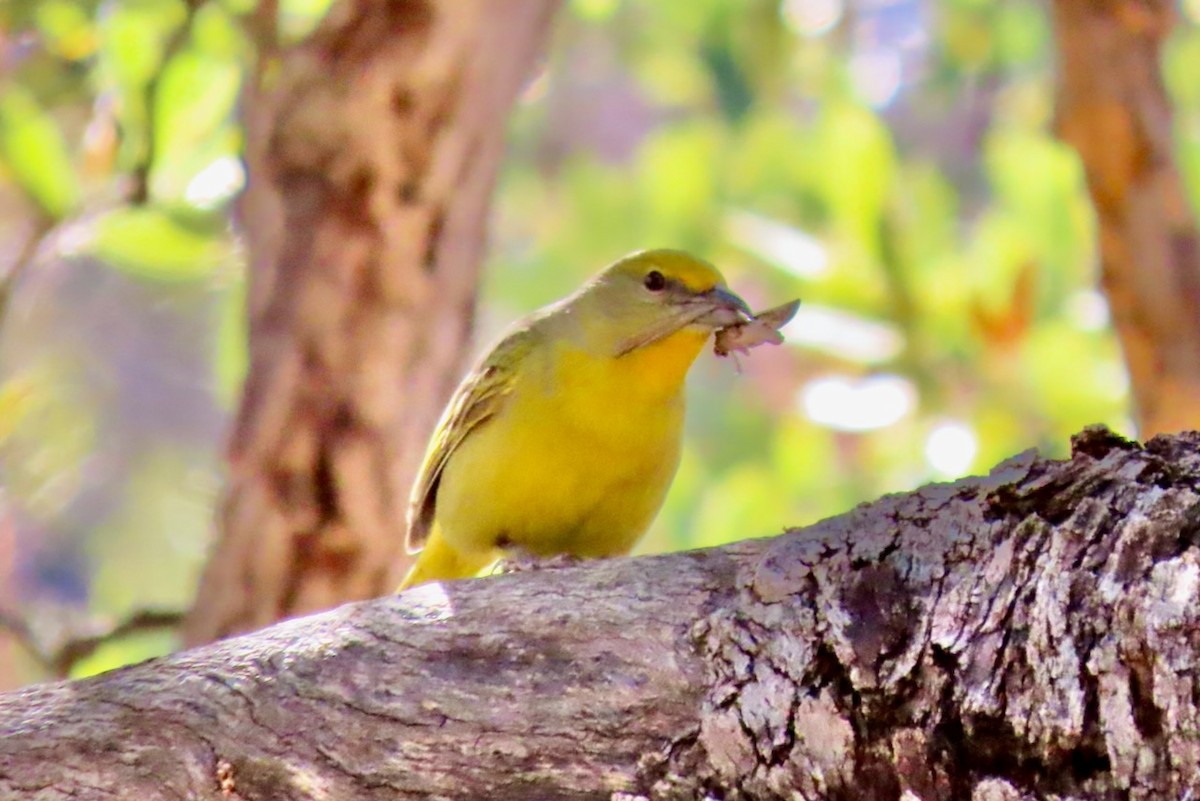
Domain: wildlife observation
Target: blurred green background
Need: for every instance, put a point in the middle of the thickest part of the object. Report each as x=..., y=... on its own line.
x=889, y=161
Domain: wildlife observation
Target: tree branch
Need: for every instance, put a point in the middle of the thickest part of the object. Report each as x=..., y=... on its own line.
x=40, y=228
x=19, y=629
x=1027, y=635
x=60, y=657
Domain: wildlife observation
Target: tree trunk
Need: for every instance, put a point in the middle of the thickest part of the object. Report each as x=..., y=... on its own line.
x=1028, y=635
x=373, y=148
x=1114, y=109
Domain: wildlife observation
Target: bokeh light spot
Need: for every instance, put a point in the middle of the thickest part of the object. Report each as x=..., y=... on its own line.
x=950, y=448
x=812, y=17
x=847, y=403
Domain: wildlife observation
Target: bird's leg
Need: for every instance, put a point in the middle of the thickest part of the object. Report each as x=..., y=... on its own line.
x=519, y=560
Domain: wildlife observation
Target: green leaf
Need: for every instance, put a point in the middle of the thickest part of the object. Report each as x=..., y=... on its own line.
x=67, y=28
x=859, y=163
x=132, y=36
x=193, y=105
x=732, y=88
x=678, y=183
x=1039, y=179
x=1098, y=389
x=161, y=244
x=35, y=153
x=594, y=10
x=126, y=650
x=1022, y=33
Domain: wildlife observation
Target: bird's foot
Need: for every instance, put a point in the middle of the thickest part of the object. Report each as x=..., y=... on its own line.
x=521, y=561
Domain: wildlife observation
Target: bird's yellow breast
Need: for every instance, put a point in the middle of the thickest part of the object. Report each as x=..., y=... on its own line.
x=580, y=458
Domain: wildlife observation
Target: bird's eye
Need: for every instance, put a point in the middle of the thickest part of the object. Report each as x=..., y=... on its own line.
x=654, y=281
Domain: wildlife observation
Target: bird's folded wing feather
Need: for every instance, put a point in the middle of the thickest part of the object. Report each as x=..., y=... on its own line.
x=480, y=396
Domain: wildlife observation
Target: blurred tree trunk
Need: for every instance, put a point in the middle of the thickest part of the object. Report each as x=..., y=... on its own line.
x=373, y=148
x=1113, y=108
x=1032, y=634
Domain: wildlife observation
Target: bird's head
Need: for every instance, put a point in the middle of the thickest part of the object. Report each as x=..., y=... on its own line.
x=651, y=294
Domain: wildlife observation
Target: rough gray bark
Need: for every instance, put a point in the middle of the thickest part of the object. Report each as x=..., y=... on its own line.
x=1028, y=635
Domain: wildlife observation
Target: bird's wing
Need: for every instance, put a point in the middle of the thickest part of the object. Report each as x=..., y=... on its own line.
x=478, y=398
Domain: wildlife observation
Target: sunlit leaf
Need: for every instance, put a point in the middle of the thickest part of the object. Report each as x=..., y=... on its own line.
x=1021, y=31
x=194, y=101
x=594, y=10
x=1041, y=181
x=673, y=77
x=925, y=215
x=198, y=88
x=772, y=161
x=126, y=651
x=133, y=36
x=857, y=161
x=67, y=27
x=35, y=153
x=678, y=181
x=1098, y=385
x=152, y=242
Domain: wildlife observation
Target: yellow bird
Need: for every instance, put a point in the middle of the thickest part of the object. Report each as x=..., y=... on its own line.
x=564, y=438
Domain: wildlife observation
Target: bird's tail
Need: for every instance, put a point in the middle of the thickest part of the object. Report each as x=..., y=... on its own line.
x=438, y=561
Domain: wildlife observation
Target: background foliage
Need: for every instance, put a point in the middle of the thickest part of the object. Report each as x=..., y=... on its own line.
x=889, y=161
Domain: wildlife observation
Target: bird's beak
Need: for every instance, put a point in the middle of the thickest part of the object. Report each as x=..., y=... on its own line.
x=716, y=308
x=721, y=308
